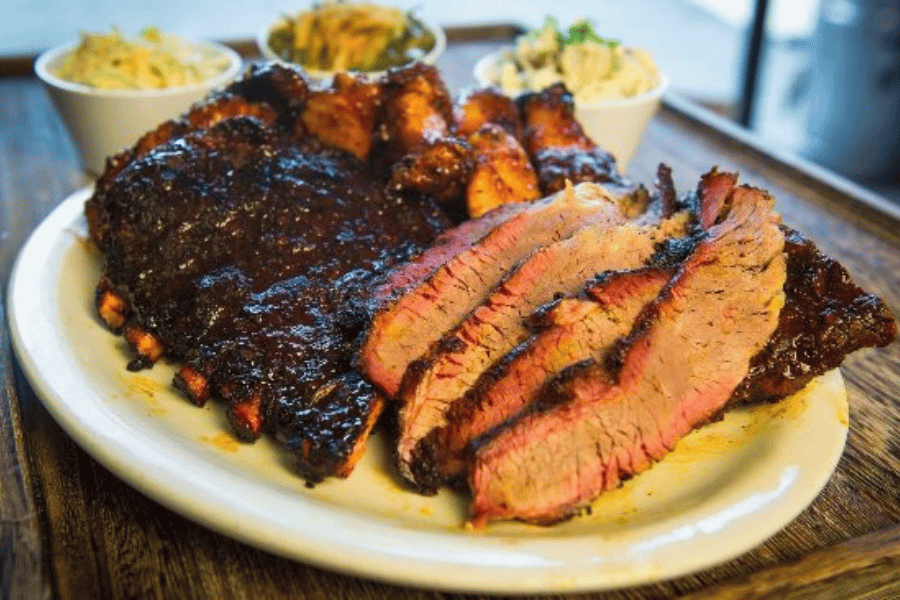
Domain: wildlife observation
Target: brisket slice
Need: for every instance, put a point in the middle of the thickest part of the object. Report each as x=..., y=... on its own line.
x=250, y=256
x=686, y=354
x=431, y=386
x=574, y=329
x=825, y=317
x=712, y=195
x=480, y=390
x=446, y=246
x=403, y=330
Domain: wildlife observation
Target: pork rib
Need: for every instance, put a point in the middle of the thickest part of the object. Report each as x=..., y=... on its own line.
x=249, y=256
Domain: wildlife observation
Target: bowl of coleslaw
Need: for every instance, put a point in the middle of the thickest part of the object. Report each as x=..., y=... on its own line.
x=110, y=89
x=616, y=89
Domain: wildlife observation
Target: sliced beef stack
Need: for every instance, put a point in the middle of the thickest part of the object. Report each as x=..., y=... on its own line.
x=447, y=282
x=585, y=359
x=686, y=353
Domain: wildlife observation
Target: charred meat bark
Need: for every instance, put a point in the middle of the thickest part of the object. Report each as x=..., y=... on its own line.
x=826, y=317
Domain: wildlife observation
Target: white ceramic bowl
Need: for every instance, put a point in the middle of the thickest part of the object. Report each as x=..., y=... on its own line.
x=615, y=125
x=431, y=58
x=103, y=122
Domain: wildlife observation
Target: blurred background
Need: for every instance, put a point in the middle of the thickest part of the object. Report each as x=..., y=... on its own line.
x=820, y=78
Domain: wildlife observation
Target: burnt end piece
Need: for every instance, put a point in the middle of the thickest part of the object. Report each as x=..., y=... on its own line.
x=826, y=316
x=556, y=166
x=476, y=107
x=283, y=87
x=417, y=144
x=440, y=168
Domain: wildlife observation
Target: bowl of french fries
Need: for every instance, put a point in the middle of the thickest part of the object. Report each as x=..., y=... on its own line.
x=359, y=37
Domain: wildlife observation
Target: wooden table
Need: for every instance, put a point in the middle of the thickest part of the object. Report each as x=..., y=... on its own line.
x=71, y=529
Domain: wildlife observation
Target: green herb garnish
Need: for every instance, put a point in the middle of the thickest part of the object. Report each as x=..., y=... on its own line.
x=582, y=31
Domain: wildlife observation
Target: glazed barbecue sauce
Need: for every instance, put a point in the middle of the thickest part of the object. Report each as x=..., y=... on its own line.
x=250, y=255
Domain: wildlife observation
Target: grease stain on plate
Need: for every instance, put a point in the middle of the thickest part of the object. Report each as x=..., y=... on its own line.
x=223, y=441
x=144, y=388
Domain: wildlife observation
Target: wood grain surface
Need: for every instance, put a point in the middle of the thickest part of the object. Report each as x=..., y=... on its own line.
x=72, y=530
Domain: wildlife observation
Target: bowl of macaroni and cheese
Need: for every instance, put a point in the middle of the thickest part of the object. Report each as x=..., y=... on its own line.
x=616, y=89
x=110, y=89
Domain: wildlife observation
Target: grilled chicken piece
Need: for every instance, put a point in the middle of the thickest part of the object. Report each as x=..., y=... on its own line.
x=503, y=173
x=478, y=106
x=343, y=115
x=440, y=169
x=559, y=148
x=416, y=128
x=417, y=109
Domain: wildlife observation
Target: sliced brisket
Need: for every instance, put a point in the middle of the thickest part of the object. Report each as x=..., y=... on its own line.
x=686, y=354
x=466, y=375
x=404, y=329
x=493, y=329
x=574, y=329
